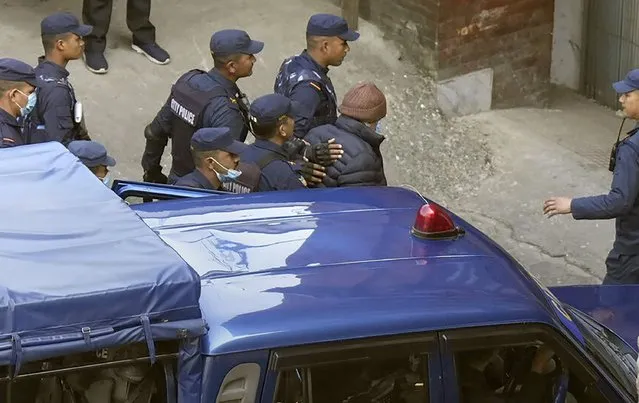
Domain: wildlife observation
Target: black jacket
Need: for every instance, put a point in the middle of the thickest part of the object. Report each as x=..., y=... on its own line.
x=361, y=164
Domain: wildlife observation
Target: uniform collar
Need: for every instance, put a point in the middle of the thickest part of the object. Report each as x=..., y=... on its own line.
x=224, y=82
x=360, y=130
x=50, y=69
x=7, y=118
x=308, y=57
x=202, y=180
x=270, y=146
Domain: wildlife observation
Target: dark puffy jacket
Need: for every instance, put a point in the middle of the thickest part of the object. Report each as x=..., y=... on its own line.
x=361, y=164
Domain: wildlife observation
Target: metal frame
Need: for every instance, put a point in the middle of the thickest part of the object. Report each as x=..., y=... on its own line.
x=155, y=191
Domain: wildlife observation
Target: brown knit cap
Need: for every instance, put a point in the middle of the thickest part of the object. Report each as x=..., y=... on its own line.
x=364, y=102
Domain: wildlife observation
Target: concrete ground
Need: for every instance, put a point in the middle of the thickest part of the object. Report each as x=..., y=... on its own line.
x=494, y=169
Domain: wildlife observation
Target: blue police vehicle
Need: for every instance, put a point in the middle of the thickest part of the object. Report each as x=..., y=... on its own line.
x=325, y=295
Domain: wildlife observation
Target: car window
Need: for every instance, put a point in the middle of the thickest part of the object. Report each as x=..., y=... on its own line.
x=530, y=369
x=526, y=374
x=379, y=374
x=610, y=351
x=397, y=379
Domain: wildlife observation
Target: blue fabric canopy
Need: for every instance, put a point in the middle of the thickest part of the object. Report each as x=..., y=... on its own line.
x=79, y=270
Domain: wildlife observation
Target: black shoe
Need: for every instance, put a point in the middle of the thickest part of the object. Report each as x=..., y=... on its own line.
x=96, y=62
x=152, y=51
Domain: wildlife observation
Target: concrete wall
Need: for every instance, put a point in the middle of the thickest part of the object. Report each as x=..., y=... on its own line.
x=567, y=44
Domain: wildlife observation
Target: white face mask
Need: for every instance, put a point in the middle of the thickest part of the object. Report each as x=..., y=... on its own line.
x=378, y=128
x=107, y=180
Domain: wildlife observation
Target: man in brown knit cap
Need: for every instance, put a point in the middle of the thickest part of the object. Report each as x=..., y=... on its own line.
x=357, y=129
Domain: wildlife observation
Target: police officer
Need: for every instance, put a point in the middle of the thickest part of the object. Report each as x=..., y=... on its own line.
x=216, y=155
x=272, y=124
x=98, y=14
x=304, y=78
x=17, y=99
x=95, y=157
x=622, y=202
x=58, y=115
x=202, y=99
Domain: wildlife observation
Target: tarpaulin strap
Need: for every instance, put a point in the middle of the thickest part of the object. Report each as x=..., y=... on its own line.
x=86, y=334
x=146, y=323
x=17, y=353
x=171, y=392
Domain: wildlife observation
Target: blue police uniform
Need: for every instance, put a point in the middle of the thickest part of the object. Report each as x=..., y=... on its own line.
x=277, y=173
x=303, y=80
x=58, y=114
x=210, y=139
x=621, y=203
x=197, y=180
x=199, y=99
x=10, y=129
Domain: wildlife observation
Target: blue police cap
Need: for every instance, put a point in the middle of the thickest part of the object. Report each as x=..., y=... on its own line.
x=91, y=153
x=62, y=23
x=216, y=138
x=233, y=41
x=330, y=25
x=268, y=108
x=15, y=70
x=629, y=83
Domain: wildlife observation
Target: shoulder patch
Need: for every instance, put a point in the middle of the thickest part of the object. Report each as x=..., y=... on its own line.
x=314, y=85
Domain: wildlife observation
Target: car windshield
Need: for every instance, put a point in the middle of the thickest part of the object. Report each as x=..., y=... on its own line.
x=609, y=349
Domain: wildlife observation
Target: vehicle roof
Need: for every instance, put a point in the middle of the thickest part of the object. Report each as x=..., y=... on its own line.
x=73, y=255
x=286, y=268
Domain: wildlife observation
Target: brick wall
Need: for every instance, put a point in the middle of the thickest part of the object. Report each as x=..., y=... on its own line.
x=513, y=37
x=412, y=24
x=455, y=37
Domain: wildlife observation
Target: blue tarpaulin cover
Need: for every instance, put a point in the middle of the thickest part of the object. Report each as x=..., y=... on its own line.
x=79, y=270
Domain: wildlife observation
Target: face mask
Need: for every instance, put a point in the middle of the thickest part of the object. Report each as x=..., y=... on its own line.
x=378, y=128
x=107, y=180
x=31, y=102
x=231, y=174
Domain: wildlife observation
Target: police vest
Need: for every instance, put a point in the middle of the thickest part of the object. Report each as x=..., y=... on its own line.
x=247, y=182
x=35, y=130
x=188, y=105
x=294, y=71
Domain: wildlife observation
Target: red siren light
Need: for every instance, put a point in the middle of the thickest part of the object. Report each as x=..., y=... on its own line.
x=433, y=222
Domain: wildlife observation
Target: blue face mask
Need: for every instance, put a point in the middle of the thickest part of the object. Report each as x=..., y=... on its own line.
x=231, y=174
x=378, y=128
x=31, y=103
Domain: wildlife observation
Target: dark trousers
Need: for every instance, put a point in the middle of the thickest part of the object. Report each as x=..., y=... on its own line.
x=98, y=14
x=621, y=269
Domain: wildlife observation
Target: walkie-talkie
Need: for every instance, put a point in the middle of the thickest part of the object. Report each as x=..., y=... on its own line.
x=613, y=152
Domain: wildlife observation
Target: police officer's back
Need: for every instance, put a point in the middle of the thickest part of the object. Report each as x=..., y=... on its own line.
x=202, y=99
x=357, y=130
x=622, y=202
x=304, y=78
x=272, y=121
x=17, y=99
x=58, y=115
x=216, y=155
